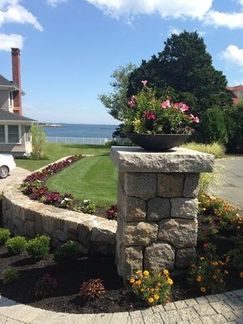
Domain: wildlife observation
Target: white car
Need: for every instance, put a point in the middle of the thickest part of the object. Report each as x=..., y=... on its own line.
x=7, y=164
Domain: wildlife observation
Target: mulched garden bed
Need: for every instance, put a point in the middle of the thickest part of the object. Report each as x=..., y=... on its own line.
x=219, y=225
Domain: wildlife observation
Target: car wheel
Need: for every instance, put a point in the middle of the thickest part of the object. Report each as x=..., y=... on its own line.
x=4, y=171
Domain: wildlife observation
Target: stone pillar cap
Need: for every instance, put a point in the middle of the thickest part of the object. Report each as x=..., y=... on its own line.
x=177, y=160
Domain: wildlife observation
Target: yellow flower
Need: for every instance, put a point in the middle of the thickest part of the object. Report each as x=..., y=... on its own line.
x=241, y=275
x=132, y=280
x=170, y=281
x=198, y=278
x=152, y=289
x=166, y=272
x=203, y=289
x=215, y=263
x=139, y=272
x=146, y=273
x=138, y=282
x=220, y=263
x=150, y=300
x=156, y=297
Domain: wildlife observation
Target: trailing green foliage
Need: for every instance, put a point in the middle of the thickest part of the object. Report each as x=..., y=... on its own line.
x=38, y=247
x=16, y=245
x=69, y=251
x=10, y=275
x=4, y=235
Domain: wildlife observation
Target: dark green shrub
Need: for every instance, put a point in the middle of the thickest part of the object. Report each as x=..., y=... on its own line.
x=69, y=251
x=213, y=126
x=235, y=128
x=4, y=235
x=10, y=275
x=16, y=245
x=38, y=247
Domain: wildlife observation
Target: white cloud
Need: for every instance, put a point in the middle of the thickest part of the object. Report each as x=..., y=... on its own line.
x=224, y=19
x=241, y=2
x=11, y=11
x=54, y=3
x=233, y=54
x=12, y=40
x=172, y=8
x=174, y=30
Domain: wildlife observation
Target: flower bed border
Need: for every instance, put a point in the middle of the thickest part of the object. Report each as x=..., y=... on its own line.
x=27, y=217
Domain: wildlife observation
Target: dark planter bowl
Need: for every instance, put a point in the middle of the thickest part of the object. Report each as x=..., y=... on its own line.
x=158, y=143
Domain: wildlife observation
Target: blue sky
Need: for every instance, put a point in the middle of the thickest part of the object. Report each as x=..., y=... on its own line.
x=71, y=47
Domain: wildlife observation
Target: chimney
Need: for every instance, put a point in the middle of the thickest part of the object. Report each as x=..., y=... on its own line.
x=17, y=96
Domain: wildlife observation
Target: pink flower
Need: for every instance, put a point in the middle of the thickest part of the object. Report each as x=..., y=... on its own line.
x=165, y=104
x=194, y=119
x=132, y=102
x=149, y=115
x=144, y=82
x=183, y=107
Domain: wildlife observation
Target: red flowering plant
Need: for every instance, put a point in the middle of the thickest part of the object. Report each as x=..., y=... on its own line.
x=145, y=114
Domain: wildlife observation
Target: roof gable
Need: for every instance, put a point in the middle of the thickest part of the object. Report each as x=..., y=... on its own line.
x=8, y=116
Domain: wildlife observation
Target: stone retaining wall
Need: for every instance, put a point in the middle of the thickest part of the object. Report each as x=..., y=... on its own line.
x=29, y=218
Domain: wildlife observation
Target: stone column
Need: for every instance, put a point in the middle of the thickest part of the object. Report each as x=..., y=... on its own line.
x=157, y=207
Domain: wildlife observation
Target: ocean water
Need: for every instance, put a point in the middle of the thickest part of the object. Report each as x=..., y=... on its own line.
x=81, y=130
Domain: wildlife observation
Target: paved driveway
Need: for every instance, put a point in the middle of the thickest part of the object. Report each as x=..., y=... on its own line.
x=230, y=186
x=16, y=174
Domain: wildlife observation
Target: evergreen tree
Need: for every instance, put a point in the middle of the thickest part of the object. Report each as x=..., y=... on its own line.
x=185, y=68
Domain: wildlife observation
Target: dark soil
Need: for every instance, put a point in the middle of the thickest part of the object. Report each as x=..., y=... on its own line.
x=69, y=277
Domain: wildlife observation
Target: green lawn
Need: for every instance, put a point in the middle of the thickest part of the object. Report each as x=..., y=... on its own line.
x=57, y=151
x=92, y=178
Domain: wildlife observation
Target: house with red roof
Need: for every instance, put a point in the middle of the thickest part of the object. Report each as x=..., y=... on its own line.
x=237, y=93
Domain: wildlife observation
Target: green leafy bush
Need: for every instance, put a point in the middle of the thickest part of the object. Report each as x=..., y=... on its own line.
x=10, y=275
x=235, y=128
x=152, y=288
x=88, y=207
x=4, y=235
x=214, y=126
x=38, y=142
x=16, y=245
x=69, y=251
x=38, y=247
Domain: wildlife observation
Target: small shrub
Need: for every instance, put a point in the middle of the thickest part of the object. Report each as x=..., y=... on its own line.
x=4, y=235
x=92, y=289
x=38, y=142
x=10, y=275
x=16, y=245
x=88, y=207
x=69, y=251
x=46, y=286
x=152, y=288
x=38, y=247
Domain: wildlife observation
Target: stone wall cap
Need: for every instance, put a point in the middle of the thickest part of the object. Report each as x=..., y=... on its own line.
x=178, y=160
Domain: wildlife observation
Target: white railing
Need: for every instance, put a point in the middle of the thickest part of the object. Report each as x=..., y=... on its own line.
x=78, y=140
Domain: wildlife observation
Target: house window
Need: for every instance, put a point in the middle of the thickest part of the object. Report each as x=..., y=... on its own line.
x=13, y=134
x=2, y=134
